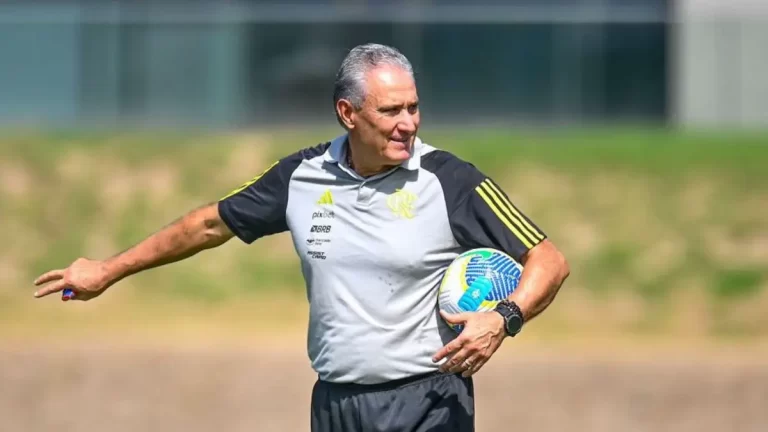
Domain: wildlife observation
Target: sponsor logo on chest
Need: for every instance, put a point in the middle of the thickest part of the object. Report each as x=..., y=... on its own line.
x=324, y=229
x=321, y=227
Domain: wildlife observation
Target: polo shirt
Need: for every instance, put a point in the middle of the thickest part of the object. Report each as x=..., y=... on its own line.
x=373, y=250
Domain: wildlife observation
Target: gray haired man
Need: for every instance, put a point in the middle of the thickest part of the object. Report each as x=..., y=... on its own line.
x=376, y=216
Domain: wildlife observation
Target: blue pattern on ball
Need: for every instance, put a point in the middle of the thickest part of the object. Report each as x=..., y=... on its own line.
x=500, y=269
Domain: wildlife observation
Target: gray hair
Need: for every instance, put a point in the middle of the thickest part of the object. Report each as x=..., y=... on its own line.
x=350, y=79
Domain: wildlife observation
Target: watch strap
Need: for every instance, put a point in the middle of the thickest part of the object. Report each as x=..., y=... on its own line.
x=509, y=309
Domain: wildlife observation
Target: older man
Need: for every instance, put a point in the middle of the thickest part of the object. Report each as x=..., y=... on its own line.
x=376, y=216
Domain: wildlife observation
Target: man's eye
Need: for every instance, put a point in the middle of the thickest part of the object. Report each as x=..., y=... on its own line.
x=413, y=109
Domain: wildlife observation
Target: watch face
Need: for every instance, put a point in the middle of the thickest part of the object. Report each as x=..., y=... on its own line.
x=514, y=324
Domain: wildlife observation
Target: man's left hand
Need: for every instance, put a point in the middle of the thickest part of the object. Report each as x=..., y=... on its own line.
x=482, y=335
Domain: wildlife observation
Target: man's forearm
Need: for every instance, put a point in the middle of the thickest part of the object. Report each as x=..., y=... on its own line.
x=545, y=271
x=198, y=230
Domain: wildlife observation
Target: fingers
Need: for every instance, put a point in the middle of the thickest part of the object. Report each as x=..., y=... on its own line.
x=50, y=276
x=457, y=363
x=456, y=351
x=467, y=364
x=476, y=363
x=469, y=352
x=449, y=348
x=52, y=288
x=458, y=318
x=453, y=365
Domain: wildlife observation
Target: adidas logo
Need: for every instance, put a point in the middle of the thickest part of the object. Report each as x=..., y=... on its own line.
x=326, y=198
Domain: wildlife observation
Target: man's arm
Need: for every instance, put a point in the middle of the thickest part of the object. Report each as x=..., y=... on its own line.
x=481, y=214
x=196, y=231
x=253, y=210
x=488, y=218
x=544, y=271
x=200, y=229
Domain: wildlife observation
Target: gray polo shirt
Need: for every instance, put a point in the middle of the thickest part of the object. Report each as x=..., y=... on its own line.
x=373, y=250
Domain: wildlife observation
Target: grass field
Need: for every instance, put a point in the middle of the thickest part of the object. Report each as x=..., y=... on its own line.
x=666, y=232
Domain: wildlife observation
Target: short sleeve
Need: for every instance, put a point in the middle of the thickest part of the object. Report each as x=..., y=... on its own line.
x=257, y=208
x=480, y=212
x=488, y=218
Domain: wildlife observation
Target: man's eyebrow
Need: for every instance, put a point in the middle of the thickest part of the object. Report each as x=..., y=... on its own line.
x=390, y=106
x=397, y=105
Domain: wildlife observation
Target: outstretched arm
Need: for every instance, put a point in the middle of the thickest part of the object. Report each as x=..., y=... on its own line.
x=196, y=231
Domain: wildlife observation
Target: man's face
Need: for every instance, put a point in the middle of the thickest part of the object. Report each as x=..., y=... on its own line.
x=387, y=123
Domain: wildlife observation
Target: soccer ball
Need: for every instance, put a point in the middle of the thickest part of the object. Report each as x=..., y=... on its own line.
x=477, y=280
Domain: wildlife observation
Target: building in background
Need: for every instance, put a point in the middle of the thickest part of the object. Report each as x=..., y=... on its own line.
x=720, y=70
x=250, y=63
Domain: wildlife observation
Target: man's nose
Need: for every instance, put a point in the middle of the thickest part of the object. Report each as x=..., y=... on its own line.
x=407, y=124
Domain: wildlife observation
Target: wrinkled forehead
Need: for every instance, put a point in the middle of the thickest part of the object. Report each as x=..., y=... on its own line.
x=390, y=85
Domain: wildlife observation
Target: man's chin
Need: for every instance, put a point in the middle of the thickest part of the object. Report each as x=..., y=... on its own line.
x=399, y=156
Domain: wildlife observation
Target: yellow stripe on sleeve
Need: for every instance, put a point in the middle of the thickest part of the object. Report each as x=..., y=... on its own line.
x=503, y=218
x=249, y=182
x=497, y=199
x=530, y=228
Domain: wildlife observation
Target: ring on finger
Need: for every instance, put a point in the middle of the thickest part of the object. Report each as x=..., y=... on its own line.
x=472, y=368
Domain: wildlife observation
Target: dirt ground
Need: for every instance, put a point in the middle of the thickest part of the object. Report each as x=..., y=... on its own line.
x=116, y=388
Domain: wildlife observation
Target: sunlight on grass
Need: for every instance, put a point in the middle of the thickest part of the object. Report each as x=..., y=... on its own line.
x=647, y=219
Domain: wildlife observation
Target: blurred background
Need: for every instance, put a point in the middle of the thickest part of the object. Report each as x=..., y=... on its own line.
x=635, y=132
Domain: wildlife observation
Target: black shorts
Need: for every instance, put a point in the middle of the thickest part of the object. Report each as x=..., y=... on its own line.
x=435, y=402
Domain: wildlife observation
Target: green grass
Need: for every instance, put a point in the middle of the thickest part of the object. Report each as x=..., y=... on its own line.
x=641, y=214
x=737, y=283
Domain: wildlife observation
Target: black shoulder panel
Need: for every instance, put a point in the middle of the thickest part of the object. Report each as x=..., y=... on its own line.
x=257, y=208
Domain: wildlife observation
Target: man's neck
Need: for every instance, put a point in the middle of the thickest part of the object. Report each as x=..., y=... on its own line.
x=356, y=162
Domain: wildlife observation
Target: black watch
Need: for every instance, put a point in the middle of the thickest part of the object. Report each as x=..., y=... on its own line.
x=513, y=317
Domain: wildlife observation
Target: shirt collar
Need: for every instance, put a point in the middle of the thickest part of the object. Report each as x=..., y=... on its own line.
x=337, y=153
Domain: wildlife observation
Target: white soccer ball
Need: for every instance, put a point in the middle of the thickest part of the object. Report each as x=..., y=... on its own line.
x=477, y=280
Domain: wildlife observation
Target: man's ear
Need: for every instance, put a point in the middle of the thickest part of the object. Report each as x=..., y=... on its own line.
x=346, y=113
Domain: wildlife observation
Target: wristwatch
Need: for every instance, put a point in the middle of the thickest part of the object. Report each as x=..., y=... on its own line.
x=513, y=317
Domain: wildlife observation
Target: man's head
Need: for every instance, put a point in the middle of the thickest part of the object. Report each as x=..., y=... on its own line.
x=376, y=102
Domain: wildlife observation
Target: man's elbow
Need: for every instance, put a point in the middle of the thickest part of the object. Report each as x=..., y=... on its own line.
x=210, y=226
x=557, y=264
x=563, y=267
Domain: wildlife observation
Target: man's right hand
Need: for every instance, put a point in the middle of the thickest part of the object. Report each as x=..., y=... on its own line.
x=86, y=278
x=198, y=230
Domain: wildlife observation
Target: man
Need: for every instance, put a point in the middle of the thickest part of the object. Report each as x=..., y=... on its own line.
x=376, y=216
